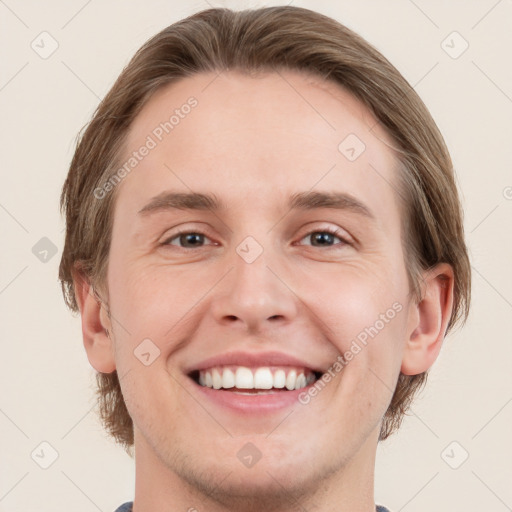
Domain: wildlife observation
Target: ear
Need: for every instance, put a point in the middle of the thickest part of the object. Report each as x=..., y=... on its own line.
x=95, y=322
x=429, y=320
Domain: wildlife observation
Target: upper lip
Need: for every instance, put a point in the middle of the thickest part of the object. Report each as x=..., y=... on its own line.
x=254, y=359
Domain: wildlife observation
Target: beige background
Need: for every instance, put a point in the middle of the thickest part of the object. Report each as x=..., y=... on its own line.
x=46, y=382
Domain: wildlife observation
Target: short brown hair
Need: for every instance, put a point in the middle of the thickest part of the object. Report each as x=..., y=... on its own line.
x=266, y=40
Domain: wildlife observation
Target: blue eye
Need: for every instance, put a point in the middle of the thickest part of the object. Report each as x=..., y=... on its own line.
x=325, y=236
x=195, y=239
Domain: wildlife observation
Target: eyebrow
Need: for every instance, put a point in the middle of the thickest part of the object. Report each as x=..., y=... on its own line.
x=300, y=201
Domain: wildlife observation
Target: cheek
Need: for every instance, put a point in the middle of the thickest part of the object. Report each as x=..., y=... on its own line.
x=145, y=296
x=362, y=312
x=351, y=298
x=158, y=303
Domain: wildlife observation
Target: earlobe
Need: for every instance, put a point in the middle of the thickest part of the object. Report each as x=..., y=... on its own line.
x=431, y=316
x=96, y=326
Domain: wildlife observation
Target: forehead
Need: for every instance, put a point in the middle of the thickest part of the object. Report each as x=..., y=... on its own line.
x=253, y=138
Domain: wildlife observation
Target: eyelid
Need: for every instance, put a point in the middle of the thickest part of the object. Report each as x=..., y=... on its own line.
x=313, y=227
x=336, y=231
x=333, y=230
x=186, y=231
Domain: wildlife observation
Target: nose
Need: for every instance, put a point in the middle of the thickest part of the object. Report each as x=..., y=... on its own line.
x=254, y=295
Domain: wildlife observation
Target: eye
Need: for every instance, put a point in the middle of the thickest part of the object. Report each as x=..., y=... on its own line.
x=325, y=236
x=195, y=239
x=189, y=239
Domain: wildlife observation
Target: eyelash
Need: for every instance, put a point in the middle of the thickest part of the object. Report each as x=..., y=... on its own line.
x=332, y=231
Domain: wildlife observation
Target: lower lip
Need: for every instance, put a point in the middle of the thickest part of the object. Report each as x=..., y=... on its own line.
x=252, y=403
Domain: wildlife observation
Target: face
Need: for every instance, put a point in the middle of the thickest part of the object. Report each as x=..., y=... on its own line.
x=297, y=268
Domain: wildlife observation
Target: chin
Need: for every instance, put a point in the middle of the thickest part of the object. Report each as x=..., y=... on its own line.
x=266, y=486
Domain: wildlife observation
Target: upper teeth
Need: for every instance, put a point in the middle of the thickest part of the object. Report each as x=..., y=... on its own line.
x=256, y=378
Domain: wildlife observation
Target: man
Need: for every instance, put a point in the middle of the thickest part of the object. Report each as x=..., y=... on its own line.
x=264, y=242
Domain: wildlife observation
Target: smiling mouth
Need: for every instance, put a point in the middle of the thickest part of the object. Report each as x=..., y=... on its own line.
x=255, y=381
